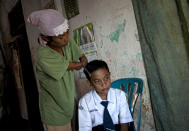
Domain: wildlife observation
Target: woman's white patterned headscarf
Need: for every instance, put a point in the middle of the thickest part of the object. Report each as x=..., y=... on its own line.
x=50, y=23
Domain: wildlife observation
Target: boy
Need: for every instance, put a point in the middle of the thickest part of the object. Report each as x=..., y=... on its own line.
x=103, y=108
x=57, y=57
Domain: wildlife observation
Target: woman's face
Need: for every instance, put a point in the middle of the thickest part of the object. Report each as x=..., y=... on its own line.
x=100, y=80
x=60, y=40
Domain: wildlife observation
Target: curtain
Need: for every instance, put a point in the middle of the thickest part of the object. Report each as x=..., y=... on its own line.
x=163, y=27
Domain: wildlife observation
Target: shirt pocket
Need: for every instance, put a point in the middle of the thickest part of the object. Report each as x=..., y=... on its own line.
x=94, y=116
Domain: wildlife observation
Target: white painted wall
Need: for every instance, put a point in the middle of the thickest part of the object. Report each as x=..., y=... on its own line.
x=123, y=54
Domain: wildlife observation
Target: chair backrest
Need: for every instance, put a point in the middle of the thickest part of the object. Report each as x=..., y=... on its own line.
x=133, y=87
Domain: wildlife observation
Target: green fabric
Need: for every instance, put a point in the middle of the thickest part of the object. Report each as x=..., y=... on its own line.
x=56, y=83
x=163, y=32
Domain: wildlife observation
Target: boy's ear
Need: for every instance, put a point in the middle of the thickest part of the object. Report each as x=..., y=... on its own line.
x=90, y=83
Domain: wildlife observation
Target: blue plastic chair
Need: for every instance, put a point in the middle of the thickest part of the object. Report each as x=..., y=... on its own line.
x=133, y=87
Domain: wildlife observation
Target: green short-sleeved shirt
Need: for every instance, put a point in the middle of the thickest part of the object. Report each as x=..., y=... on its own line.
x=56, y=95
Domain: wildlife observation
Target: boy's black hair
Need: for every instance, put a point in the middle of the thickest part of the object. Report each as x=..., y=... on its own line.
x=93, y=66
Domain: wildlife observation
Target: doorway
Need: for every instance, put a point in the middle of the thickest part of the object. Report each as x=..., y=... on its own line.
x=13, y=119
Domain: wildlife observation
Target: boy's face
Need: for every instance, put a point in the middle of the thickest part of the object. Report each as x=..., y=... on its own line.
x=100, y=80
x=60, y=40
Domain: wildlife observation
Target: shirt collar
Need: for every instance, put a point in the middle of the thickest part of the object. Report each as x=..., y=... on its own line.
x=98, y=99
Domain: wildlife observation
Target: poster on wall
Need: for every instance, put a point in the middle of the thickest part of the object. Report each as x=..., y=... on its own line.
x=84, y=37
x=84, y=34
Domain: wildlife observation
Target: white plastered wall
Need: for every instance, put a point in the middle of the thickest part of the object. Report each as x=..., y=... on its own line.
x=117, y=41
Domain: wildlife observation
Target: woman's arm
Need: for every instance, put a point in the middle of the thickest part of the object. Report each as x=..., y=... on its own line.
x=78, y=65
x=75, y=66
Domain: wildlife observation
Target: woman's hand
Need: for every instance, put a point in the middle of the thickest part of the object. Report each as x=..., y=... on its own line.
x=75, y=66
x=78, y=65
x=83, y=60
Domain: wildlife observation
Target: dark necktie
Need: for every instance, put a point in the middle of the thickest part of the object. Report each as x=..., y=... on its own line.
x=108, y=123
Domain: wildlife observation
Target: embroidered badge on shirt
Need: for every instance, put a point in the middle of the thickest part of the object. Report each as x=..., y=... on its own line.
x=93, y=110
x=80, y=107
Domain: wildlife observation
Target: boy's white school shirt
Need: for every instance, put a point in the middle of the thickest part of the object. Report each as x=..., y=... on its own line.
x=91, y=111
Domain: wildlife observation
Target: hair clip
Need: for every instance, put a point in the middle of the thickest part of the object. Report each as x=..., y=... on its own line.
x=87, y=71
